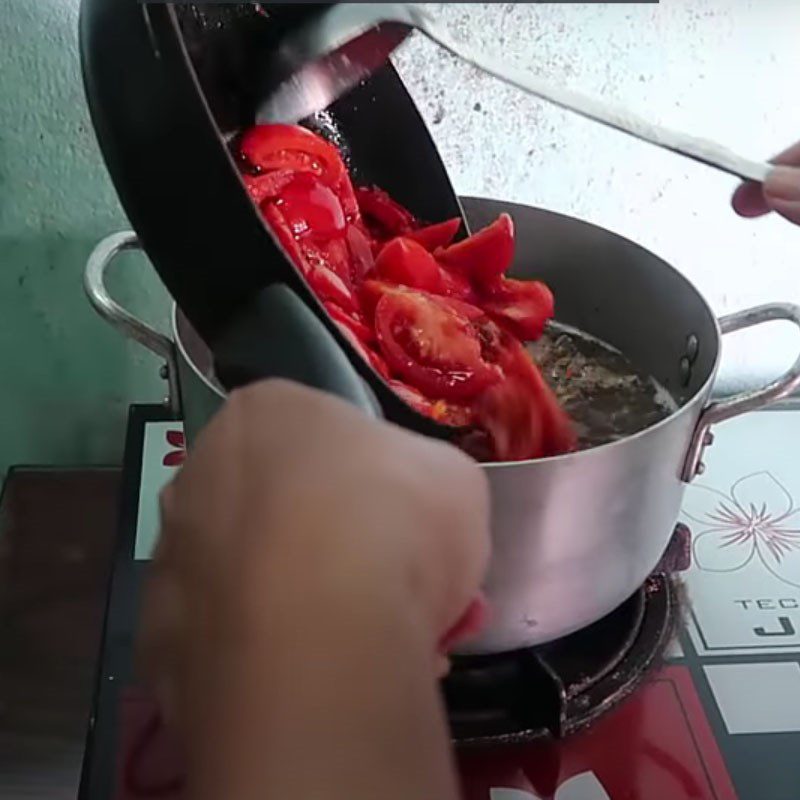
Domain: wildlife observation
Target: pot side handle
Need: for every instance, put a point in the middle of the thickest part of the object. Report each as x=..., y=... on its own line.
x=118, y=317
x=744, y=402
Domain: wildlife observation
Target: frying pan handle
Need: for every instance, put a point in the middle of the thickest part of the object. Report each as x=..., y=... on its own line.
x=751, y=400
x=130, y=326
x=277, y=336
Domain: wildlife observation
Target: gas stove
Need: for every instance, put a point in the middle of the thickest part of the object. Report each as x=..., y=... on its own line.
x=691, y=689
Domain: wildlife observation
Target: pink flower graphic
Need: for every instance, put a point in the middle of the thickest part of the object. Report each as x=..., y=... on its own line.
x=754, y=521
x=176, y=457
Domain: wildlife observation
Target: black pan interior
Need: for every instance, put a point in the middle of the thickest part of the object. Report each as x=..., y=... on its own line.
x=376, y=125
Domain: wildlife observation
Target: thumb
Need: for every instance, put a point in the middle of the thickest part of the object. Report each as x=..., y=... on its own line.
x=782, y=192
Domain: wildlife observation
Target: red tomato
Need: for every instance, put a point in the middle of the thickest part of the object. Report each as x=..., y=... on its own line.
x=269, y=185
x=361, y=258
x=431, y=346
x=405, y=262
x=372, y=290
x=486, y=255
x=350, y=320
x=523, y=306
x=558, y=433
x=367, y=353
x=291, y=147
x=514, y=422
x=377, y=206
x=441, y=411
x=283, y=234
x=312, y=262
x=328, y=286
x=311, y=208
x=438, y=235
x=332, y=255
x=454, y=285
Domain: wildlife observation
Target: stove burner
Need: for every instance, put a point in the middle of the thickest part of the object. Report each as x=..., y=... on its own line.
x=564, y=685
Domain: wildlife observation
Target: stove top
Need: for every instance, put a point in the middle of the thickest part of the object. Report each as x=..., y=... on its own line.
x=714, y=716
x=559, y=688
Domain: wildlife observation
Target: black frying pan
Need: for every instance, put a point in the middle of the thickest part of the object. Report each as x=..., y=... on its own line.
x=169, y=88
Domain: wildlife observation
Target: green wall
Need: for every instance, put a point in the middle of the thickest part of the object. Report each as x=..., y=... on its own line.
x=67, y=377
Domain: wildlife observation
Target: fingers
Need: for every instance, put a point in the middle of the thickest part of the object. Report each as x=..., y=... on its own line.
x=780, y=191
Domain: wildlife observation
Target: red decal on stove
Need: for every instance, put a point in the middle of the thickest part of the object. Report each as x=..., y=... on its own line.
x=148, y=764
x=174, y=458
x=657, y=746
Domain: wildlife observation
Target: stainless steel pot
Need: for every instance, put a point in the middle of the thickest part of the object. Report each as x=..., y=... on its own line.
x=573, y=536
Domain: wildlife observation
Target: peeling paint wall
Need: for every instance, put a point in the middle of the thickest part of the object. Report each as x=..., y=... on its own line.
x=67, y=378
x=727, y=69
x=724, y=69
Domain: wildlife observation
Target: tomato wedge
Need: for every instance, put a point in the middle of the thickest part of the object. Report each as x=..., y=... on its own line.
x=522, y=306
x=361, y=259
x=431, y=346
x=558, y=432
x=455, y=285
x=350, y=320
x=310, y=207
x=331, y=254
x=485, y=256
x=269, y=185
x=283, y=234
x=366, y=352
x=291, y=147
x=438, y=235
x=513, y=422
x=408, y=263
x=378, y=207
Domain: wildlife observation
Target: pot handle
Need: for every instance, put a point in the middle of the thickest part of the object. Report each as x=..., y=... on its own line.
x=752, y=400
x=130, y=326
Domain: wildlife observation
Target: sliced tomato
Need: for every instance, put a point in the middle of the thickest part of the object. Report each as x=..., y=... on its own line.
x=372, y=290
x=439, y=410
x=283, y=233
x=331, y=254
x=559, y=432
x=523, y=306
x=408, y=263
x=328, y=286
x=361, y=259
x=269, y=185
x=378, y=207
x=438, y=235
x=291, y=147
x=370, y=293
x=431, y=346
x=513, y=420
x=471, y=312
x=486, y=255
x=455, y=285
x=559, y=435
x=311, y=208
x=351, y=320
x=365, y=351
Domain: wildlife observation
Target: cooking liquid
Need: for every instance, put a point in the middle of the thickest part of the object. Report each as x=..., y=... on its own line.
x=604, y=394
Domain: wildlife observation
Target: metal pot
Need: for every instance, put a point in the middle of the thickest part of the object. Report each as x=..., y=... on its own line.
x=573, y=536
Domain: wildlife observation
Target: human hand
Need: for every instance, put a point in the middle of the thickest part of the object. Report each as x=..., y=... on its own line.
x=780, y=191
x=310, y=558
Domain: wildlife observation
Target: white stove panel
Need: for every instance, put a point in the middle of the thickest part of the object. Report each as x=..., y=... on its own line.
x=163, y=452
x=744, y=513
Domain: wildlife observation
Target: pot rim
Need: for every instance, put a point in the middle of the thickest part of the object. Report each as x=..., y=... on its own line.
x=564, y=458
